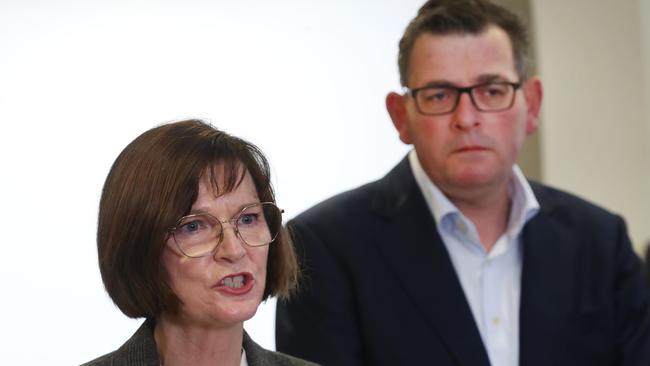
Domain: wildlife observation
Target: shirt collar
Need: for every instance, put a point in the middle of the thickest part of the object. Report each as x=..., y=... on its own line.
x=524, y=204
x=244, y=360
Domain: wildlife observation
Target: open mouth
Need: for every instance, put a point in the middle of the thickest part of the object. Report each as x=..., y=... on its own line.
x=236, y=283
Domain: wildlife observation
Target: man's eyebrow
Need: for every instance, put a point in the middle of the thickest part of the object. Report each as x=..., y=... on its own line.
x=482, y=79
x=439, y=84
x=487, y=78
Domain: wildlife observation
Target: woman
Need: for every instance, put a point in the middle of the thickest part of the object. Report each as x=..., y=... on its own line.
x=189, y=238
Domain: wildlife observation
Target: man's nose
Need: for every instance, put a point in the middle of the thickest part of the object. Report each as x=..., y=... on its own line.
x=465, y=115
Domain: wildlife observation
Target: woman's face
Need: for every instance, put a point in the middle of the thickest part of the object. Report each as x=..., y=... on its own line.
x=224, y=288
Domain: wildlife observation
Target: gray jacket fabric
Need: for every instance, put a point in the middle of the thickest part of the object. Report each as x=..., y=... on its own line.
x=140, y=350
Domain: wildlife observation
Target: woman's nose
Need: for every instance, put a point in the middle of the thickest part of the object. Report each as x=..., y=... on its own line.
x=231, y=247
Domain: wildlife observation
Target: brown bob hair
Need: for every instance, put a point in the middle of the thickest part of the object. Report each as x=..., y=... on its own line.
x=153, y=182
x=443, y=17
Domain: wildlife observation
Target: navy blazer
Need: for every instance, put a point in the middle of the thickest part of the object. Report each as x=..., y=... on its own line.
x=379, y=287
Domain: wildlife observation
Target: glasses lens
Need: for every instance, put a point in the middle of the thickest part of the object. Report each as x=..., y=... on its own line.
x=437, y=100
x=197, y=235
x=493, y=96
x=259, y=224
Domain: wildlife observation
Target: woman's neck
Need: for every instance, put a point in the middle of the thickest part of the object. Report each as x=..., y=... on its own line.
x=179, y=343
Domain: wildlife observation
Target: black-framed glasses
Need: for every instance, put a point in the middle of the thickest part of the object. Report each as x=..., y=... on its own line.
x=435, y=100
x=198, y=235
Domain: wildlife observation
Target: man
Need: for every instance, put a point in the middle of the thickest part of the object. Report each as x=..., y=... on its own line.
x=454, y=258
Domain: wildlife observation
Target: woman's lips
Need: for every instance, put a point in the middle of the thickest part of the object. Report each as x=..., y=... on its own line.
x=236, y=284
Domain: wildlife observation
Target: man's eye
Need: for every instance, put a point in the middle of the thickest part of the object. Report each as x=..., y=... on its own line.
x=437, y=95
x=493, y=90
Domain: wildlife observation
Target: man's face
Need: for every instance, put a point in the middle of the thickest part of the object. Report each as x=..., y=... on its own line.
x=466, y=149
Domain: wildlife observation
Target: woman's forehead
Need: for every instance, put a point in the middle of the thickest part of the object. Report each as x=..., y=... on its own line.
x=211, y=197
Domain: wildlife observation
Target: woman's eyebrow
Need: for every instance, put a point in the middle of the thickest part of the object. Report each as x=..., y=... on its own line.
x=236, y=210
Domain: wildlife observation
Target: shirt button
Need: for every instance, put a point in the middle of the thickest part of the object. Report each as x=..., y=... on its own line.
x=461, y=227
x=496, y=321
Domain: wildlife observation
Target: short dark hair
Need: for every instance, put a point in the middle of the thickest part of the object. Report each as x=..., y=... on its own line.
x=441, y=17
x=153, y=182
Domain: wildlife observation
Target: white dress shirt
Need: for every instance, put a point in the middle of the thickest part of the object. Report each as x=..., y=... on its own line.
x=490, y=280
x=244, y=360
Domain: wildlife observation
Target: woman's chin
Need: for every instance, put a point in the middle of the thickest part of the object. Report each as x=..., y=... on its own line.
x=237, y=314
x=225, y=314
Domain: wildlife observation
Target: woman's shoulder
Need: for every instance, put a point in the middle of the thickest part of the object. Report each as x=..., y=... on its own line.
x=258, y=356
x=281, y=359
x=140, y=349
x=105, y=360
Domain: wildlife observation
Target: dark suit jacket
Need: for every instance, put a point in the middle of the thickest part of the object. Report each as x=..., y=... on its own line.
x=379, y=287
x=140, y=350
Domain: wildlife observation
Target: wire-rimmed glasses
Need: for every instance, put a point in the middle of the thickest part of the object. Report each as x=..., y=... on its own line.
x=199, y=234
x=435, y=100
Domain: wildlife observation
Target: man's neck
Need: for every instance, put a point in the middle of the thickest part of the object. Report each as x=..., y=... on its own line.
x=488, y=209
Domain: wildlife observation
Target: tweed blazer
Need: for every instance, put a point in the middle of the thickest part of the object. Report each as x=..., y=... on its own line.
x=140, y=350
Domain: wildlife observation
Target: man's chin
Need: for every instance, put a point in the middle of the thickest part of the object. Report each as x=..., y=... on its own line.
x=477, y=180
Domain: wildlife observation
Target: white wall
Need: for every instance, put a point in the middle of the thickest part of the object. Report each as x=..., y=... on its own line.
x=305, y=80
x=593, y=59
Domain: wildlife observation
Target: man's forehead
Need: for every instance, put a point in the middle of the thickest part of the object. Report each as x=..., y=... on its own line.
x=461, y=58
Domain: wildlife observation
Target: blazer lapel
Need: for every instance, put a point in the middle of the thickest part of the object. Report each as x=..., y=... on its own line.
x=546, y=288
x=415, y=254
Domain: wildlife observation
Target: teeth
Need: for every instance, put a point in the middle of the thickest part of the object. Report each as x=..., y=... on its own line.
x=234, y=282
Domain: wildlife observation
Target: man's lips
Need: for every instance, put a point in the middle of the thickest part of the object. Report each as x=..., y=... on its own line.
x=470, y=148
x=236, y=283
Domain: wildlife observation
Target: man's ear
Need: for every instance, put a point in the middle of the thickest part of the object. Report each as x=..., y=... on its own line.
x=533, y=93
x=395, y=104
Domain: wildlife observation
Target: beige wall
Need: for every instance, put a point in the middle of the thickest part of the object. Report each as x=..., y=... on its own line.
x=530, y=157
x=593, y=57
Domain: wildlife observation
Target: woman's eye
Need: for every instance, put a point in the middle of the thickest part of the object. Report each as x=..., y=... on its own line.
x=194, y=226
x=191, y=226
x=247, y=219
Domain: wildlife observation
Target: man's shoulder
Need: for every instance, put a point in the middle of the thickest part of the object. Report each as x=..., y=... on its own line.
x=569, y=206
x=381, y=193
x=342, y=203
